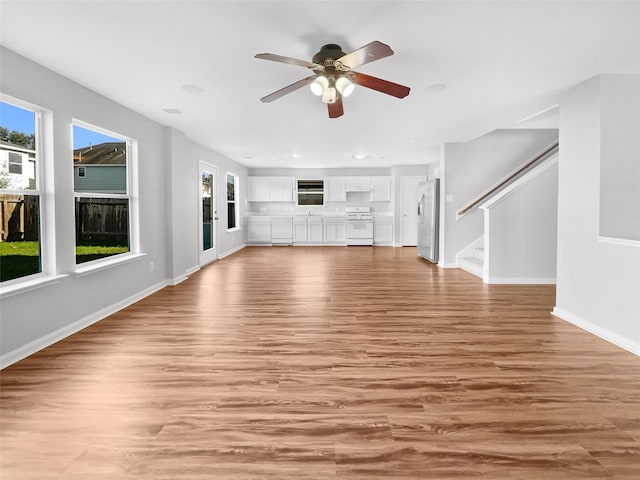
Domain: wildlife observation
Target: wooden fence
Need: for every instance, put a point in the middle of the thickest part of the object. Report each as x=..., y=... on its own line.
x=19, y=216
x=102, y=219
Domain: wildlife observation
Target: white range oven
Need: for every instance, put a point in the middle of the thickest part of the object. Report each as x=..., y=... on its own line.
x=359, y=225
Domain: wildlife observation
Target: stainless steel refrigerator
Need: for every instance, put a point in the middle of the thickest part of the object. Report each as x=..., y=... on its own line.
x=428, y=219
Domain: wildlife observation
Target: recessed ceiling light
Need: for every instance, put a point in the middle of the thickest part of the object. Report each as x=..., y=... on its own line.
x=192, y=88
x=295, y=155
x=435, y=88
x=359, y=156
x=171, y=110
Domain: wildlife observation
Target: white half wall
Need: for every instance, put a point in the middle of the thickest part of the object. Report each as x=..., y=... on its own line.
x=598, y=283
x=521, y=232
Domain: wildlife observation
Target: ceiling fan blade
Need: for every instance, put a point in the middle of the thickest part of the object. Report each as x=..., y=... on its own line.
x=335, y=109
x=369, y=53
x=380, y=85
x=291, y=61
x=288, y=89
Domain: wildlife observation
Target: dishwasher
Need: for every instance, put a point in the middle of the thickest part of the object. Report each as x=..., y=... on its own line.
x=282, y=230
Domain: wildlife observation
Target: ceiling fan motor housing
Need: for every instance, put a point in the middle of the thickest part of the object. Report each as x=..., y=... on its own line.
x=330, y=52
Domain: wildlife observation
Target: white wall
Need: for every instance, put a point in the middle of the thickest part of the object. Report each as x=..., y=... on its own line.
x=521, y=232
x=619, y=158
x=468, y=169
x=597, y=282
x=33, y=319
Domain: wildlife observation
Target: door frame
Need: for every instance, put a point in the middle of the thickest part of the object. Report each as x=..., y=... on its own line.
x=403, y=179
x=211, y=255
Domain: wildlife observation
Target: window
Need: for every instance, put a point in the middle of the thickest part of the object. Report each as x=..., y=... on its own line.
x=15, y=163
x=310, y=192
x=20, y=193
x=232, y=196
x=102, y=198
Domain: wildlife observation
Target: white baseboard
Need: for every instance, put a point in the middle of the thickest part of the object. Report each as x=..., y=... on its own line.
x=522, y=281
x=447, y=265
x=192, y=270
x=611, y=337
x=232, y=251
x=181, y=278
x=34, y=346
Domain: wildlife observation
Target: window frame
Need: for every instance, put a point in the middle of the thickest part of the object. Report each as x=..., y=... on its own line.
x=44, y=189
x=236, y=192
x=131, y=195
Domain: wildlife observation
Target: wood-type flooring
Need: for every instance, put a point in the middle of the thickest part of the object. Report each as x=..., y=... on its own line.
x=318, y=363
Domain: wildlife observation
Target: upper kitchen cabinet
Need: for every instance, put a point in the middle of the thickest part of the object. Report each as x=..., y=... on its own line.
x=380, y=189
x=335, y=190
x=358, y=184
x=271, y=189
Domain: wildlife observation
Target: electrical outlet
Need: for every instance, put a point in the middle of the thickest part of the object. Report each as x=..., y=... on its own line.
x=151, y=266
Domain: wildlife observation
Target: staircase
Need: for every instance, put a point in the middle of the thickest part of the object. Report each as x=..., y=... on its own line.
x=471, y=258
x=516, y=211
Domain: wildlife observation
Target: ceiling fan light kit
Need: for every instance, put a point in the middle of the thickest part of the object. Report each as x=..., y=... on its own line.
x=334, y=78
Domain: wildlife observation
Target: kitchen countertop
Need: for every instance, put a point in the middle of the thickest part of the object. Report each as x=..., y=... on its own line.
x=294, y=214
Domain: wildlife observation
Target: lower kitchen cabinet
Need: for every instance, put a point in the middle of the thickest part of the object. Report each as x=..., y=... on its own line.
x=258, y=229
x=300, y=234
x=383, y=230
x=315, y=230
x=334, y=230
x=307, y=230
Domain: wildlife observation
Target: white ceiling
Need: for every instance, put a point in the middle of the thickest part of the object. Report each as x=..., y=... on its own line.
x=501, y=62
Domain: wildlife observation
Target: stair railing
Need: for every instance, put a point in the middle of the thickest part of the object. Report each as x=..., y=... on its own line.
x=546, y=153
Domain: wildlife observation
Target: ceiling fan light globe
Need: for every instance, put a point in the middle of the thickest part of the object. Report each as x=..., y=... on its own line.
x=329, y=95
x=344, y=86
x=319, y=85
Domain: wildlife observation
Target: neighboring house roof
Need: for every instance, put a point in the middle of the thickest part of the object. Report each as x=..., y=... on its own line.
x=110, y=153
x=14, y=147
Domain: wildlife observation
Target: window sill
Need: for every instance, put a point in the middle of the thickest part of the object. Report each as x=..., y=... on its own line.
x=236, y=229
x=29, y=285
x=105, y=264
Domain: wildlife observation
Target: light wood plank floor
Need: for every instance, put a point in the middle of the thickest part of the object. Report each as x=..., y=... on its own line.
x=326, y=363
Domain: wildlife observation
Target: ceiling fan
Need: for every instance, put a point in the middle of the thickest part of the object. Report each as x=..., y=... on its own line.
x=333, y=76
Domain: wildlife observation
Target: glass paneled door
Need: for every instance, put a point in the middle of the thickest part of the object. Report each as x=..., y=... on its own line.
x=208, y=214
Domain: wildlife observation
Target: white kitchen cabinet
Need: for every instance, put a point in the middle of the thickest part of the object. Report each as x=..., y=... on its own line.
x=259, y=189
x=383, y=230
x=334, y=230
x=315, y=230
x=307, y=230
x=380, y=189
x=271, y=189
x=335, y=189
x=282, y=189
x=358, y=184
x=300, y=230
x=258, y=229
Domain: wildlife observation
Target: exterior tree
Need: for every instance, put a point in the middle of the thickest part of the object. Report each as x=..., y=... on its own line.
x=14, y=137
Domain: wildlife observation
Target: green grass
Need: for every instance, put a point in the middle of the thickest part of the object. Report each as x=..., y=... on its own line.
x=19, y=259
x=88, y=251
